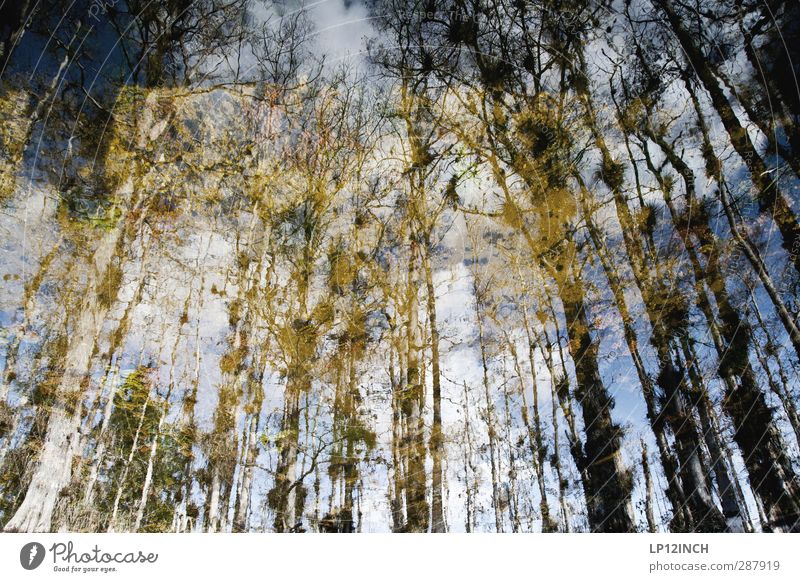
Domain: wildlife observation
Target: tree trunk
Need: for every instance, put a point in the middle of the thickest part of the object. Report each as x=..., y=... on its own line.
x=714, y=171
x=609, y=484
x=112, y=523
x=243, y=503
x=284, y=491
x=649, y=513
x=490, y=422
x=771, y=201
x=534, y=430
x=398, y=475
x=664, y=317
x=148, y=478
x=655, y=416
x=411, y=407
x=54, y=467
x=438, y=524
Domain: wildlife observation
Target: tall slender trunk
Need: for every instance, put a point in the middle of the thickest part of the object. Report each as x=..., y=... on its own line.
x=245, y=492
x=733, y=508
x=398, y=475
x=609, y=484
x=121, y=483
x=561, y=391
x=510, y=488
x=158, y=434
x=11, y=427
x=663, y=312
x=151, y=460
x=771, y=200
x=778, y=109
x=112, y=371
x=535, y=432
x=438, y=524
x=284, y=490
x=54, y=466
x=187, y=428
x=655, y=415
x=563, y=484
x=714, y=171
x=412, y=403
x=649, y=513
x=478, y=292
x=214, y=501
x=351, y=473
x=782, y=388
x=469, y=467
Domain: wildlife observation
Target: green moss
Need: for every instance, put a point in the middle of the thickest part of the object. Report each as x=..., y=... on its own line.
x=80, y=203
x=14, y=128
x=109, y=286
x=234, y=312
x=358, y=433
x=647, y=219
x=233, y=360
x=612, y=173
x=6, y=419
x=47, y=387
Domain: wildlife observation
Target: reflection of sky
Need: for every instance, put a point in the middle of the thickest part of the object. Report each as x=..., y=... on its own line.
x=342, y=29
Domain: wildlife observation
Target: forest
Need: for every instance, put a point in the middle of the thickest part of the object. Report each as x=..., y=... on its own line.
x=400, y=266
